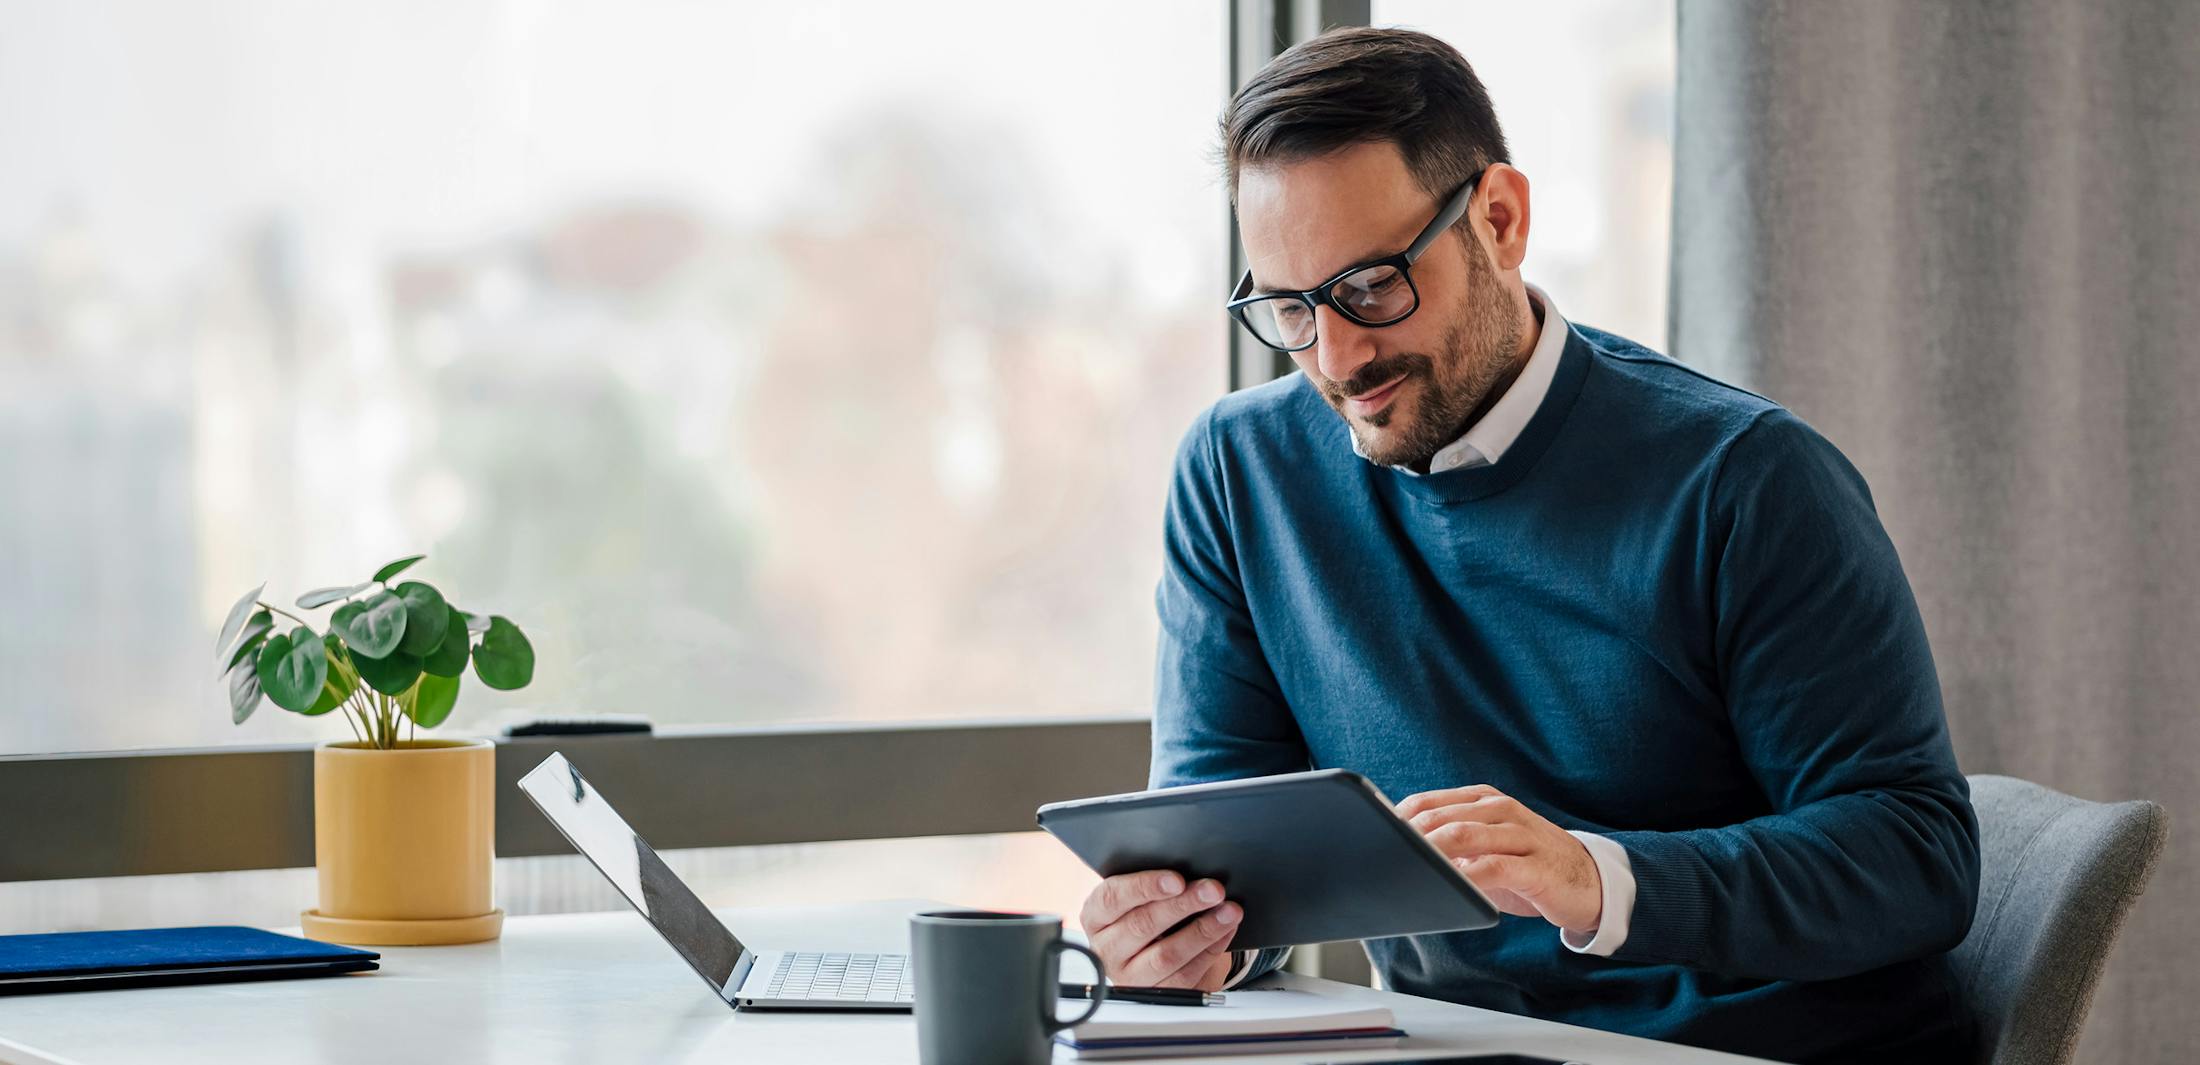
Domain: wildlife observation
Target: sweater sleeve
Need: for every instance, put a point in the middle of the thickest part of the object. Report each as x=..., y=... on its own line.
x=1218, y=711
x=1870, y=854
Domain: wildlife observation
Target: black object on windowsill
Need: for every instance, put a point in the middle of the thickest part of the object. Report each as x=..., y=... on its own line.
x=591, y=725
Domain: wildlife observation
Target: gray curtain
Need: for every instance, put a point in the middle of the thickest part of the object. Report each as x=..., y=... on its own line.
x=1963, y=240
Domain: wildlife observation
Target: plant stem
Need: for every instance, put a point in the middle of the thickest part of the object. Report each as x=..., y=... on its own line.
x=356, y=704
x=285, y=613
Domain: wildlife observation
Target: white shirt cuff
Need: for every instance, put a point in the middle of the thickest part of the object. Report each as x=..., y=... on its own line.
x=1618, y=875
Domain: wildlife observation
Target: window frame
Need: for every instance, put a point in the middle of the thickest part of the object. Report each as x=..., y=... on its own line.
x=223, y=809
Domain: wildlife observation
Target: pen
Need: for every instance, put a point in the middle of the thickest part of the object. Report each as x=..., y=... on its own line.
x=1152, y=996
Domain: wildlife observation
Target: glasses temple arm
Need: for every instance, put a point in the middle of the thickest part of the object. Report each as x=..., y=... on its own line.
x=1444, y=219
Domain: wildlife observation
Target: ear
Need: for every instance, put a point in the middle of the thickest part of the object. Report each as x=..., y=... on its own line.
x=1501, y=215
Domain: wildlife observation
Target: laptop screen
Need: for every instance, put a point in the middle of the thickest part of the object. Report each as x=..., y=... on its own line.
x=632, y=866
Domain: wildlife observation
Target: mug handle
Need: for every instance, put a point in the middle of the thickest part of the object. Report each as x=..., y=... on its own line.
x=1099, y=988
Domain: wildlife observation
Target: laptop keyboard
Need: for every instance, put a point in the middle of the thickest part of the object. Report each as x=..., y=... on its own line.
x=842, y=978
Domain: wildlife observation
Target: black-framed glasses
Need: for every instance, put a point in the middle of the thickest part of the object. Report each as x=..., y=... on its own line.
x=1374, y=293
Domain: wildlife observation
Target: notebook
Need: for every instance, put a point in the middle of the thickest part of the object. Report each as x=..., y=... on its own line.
x=1249, y=1022
x=147, y=957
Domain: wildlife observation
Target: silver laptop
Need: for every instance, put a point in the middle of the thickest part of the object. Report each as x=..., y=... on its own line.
x=742, y=978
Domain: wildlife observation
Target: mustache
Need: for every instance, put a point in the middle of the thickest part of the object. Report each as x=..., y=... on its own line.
x=1376, y=374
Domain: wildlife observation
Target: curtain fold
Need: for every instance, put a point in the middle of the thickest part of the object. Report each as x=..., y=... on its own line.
x=1963, y=240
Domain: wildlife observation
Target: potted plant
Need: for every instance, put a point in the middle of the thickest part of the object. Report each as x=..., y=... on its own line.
x=404, y=829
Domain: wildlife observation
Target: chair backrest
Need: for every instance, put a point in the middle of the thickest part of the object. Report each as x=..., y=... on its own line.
x=2057, y=876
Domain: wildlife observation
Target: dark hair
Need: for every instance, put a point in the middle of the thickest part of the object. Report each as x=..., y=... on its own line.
x=1359, y=85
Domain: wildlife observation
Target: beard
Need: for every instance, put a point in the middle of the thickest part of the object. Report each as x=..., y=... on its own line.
x=1443, y=389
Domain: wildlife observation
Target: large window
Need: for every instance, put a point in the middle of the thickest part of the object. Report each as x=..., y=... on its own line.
x=767, y=362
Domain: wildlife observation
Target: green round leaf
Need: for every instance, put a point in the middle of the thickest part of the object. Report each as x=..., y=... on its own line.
x=293, y=668
x=331, y=698
x=248, y=651
x=255, y=630
x=320, y=597
x=236, y=617
x=244, y=690
x=504, y=660
x=397, y=567
x=449, y=657
x=338, y=687
x=430, y=701
x=427, y=617
x=328, y=702
x=371, y=627
x=277, y=645
x=391, y=675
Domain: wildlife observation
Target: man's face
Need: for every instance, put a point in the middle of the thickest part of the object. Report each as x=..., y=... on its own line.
x=1407, y=389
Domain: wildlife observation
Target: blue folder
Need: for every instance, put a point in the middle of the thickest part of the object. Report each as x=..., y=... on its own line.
x=145, y=957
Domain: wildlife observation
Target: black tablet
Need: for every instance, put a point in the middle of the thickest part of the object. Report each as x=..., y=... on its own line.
x=1313, y=857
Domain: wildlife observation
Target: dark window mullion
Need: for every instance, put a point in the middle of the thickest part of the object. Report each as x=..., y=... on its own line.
x=1259, y=30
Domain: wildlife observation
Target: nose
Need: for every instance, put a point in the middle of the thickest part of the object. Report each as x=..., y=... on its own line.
x=1341, y=345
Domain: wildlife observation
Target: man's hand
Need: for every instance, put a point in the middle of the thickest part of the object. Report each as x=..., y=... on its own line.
x=1125, y=918
x=1527, y=866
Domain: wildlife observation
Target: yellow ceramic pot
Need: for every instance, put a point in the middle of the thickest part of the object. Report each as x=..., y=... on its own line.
x=405, y=842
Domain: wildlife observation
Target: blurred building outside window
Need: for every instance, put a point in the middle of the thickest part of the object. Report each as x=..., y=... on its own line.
x=805, y=362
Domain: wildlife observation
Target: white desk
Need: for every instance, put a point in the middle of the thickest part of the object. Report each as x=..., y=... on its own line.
x=602, y=988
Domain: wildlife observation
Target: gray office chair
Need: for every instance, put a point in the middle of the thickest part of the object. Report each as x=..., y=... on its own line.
x=2057, y=876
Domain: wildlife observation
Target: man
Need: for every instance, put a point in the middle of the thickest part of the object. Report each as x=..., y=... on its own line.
x=1632, y=642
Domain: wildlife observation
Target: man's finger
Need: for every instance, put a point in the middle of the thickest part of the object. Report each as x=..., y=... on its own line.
x=1502, y=872
x=1468, y=839
x=1206, y=971
x=1494, y=809
x=1170, y=954
x=1429, y=800
x=1120, y=941
x=1118, y=895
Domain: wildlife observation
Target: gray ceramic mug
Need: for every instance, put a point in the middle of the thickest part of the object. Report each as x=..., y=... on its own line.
x=986, y=985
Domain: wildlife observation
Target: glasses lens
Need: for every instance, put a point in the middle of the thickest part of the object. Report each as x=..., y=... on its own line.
x=1283, y=322
x=1378, y=295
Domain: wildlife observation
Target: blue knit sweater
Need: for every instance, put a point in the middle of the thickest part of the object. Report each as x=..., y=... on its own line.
x=1669, y=615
